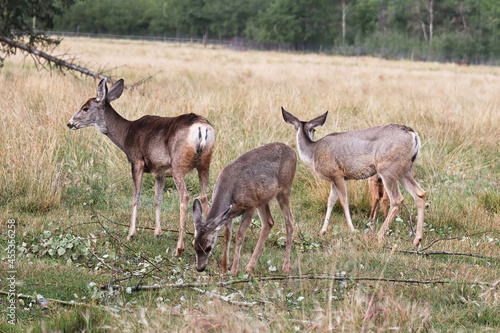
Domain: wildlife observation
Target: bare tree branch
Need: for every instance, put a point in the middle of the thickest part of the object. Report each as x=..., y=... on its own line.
x=56, y=61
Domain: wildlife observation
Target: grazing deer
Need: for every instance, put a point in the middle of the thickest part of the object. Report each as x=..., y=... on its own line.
x=163, y=146
x=387, y=150
x=377, y=192
x=249, y=183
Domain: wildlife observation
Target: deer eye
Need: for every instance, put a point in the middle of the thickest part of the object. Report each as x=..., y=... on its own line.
x=208, y=249
x=86, y=109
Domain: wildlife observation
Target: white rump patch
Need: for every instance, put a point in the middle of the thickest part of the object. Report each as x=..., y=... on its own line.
x=200, y=135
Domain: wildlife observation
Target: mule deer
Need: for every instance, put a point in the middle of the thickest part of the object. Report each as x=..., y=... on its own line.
x=377, y=192
x=163, y=146
x=249, y=183
x=387, y=150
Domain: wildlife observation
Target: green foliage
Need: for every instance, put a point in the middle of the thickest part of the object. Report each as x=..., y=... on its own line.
x=25, y=20
x=462, y=30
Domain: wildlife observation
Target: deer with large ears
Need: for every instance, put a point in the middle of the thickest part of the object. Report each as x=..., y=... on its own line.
x=388, y=151
x=162, y=146
x=247, y=184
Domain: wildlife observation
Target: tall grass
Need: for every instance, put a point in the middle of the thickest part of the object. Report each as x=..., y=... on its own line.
x=51, y=175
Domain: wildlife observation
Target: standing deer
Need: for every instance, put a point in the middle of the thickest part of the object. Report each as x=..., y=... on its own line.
x=387, y=150
x=249, y=183
x=377, y=192
x=163, y=146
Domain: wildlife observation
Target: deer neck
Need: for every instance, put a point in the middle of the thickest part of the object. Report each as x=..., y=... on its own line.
x=116, y=127
x=306, y=148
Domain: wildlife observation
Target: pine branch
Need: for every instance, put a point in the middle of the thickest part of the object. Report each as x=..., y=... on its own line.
x=37, y=55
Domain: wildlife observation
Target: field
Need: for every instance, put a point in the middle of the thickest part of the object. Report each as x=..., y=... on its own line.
x=66, y=197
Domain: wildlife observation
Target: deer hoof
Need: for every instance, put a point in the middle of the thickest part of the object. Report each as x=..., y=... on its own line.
x=178, y=252
x=158, y=233
x=130, y=236
x=286, y=268
x=249, y=269
x=234, y=271
x=380, y=238
x=417, y=241
x=322, y=232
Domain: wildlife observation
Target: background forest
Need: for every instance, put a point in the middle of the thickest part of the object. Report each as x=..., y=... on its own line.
x=447, y=30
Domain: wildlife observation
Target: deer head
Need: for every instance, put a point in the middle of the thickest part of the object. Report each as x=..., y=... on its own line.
x=93, y=111
x=308, y=128
x=205, y=234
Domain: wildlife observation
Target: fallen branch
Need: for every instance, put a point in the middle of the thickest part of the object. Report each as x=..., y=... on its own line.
x=277, y=278
x=450, y=253
x=101, y=260
x=63, y=63
x=458, y=237
x=58, y=301
x=146, y=228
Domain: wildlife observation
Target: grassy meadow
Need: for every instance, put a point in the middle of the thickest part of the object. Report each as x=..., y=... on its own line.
x=70, y=195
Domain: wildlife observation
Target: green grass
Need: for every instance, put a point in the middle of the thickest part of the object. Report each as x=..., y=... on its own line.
x=71, y=192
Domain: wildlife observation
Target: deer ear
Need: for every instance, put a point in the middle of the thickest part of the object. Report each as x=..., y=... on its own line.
x=115, y=91
x=220, y=220
x=102, y=90
x=197, y=215
x=290, y=119
x=318, y=121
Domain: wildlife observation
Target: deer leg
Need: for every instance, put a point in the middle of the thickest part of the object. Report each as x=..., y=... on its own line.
x=203, y=176
x=240, y=237
x=227, y=243
x=284, y=202
x=418, y=195
x=341, y=186
x=137, y=180
x=183, y=200
x=159, y=186
x=267, y=224
x=396, y=199
x=375, y=195
x=385, y=201
x=331, y=202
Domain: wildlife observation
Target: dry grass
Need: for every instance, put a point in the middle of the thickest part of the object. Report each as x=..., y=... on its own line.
x=49, y=173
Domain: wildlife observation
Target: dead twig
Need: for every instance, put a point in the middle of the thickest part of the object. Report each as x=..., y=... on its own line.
x=101, y=260
x=450, y=253
x=458, y=237
x=50, y=300
x=50, y=60
x=138, y=83
x=285, y=278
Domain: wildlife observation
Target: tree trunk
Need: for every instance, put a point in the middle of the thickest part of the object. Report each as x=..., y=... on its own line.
x=344, y=15
x=424, y=31
x=431, y=20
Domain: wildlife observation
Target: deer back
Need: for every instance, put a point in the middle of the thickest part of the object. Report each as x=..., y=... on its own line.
x=252, y=180
x=167, y=143
x=358, y=154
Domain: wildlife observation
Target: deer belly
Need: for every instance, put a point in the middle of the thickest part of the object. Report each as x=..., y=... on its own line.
x=162, y=171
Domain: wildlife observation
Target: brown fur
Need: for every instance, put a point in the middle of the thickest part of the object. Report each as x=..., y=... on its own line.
x=157, y=145
x=246, y=185
x=377, y=192
x=388, y=151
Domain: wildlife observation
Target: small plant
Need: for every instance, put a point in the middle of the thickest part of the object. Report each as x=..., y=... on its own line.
x=490, y=200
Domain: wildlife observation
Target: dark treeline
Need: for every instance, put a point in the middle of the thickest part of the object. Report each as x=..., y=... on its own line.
x=458, y=30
